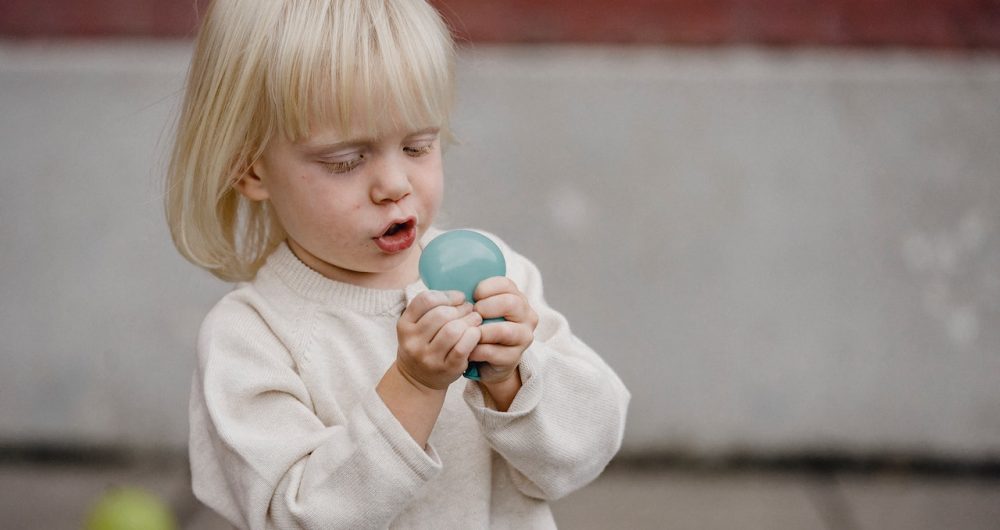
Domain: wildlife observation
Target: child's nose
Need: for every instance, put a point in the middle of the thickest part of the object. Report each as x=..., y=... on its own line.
x=391, y=181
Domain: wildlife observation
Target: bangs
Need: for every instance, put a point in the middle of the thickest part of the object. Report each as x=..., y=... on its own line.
x=344, y=64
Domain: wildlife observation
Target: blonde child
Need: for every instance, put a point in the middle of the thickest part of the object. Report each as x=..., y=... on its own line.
x=328, y=391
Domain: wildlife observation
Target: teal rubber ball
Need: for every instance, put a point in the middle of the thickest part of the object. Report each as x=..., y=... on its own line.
x=458, y=260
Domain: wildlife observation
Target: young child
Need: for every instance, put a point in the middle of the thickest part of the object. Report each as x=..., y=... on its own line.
x=328, y=391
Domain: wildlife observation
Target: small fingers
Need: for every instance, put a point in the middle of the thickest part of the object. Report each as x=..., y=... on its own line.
x=494, y=354
x=452, y=331
x=437, y=317
x=494, y=286
x=506, y=334
x=458, y=357
x=428, y=300
x=507, y=305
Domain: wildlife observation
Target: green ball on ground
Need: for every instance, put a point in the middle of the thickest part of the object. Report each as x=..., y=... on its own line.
x=130, y=509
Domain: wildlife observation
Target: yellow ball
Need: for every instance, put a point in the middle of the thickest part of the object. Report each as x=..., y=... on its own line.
x=130, y=509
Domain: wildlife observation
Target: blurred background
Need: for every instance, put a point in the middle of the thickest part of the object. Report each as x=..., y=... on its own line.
x=778, y=220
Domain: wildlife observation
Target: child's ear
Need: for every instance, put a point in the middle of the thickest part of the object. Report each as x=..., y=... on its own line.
x=251, y=185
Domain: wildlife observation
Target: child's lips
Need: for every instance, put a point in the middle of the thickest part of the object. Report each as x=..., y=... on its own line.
x=398, y=236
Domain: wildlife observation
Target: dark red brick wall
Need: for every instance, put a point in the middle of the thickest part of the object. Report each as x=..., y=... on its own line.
x=942, y=23
x=917, y=23
x=98, y=18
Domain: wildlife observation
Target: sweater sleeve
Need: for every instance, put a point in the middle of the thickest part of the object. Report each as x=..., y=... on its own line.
x=568, y=419
x=262, y=458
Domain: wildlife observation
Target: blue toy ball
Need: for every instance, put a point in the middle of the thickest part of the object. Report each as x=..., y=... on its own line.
x=457, y=261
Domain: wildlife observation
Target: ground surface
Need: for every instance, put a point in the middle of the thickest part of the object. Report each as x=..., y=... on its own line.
x=56, y=496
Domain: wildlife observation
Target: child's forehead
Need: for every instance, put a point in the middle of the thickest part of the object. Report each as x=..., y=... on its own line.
x=328, y=135
x=328, y=116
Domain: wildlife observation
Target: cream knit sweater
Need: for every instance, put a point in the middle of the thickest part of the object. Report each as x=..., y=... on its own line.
x=288, y=432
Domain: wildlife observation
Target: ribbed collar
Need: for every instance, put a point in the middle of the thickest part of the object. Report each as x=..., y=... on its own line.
x=284, y=266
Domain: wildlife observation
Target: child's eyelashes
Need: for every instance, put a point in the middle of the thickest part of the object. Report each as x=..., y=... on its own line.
x=420, y=150
x=344, y=166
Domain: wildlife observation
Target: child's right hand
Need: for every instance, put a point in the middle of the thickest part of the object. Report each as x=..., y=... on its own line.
x=436, y=333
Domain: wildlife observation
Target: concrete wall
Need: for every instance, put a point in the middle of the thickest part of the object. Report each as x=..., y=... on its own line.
x=778, y=251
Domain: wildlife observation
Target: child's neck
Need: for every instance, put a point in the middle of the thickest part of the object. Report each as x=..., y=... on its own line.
x=399, y=277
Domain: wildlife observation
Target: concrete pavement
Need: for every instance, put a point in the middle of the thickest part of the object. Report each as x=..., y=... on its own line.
x=58, y=495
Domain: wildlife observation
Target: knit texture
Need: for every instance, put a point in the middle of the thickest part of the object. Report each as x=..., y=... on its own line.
x=287, y=430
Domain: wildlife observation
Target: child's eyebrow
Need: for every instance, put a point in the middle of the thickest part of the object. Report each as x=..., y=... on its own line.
x=346, y=144
x=320, y=148
x=426, y=130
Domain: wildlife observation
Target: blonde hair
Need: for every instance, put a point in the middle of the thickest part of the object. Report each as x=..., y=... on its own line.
x=263, y=68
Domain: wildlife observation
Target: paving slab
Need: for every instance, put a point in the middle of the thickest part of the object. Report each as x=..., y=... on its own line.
x=61, y=496
x=206, y=519
x=669, y=499
x=684, y=499
x=891, y=502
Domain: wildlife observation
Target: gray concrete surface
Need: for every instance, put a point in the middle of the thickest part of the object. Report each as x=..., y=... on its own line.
x=777, y=250
x=59, y=496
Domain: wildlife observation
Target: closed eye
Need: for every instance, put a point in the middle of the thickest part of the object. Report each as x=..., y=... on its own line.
x=345, y=166
x=420, y=143
x=418, y=150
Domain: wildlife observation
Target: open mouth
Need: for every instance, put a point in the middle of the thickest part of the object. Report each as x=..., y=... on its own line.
x=398, y=236
x=395, y=229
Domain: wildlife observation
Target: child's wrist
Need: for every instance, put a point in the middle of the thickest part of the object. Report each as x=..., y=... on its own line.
x=415, y=383
x=415, y=406
x=503, y=392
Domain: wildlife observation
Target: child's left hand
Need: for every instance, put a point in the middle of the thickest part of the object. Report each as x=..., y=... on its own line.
x=502, y=343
